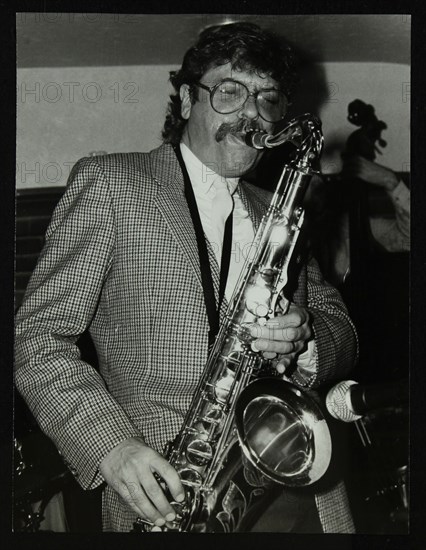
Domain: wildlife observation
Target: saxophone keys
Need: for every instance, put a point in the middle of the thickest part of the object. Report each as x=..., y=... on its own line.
x=190, y=477
x=199, y=452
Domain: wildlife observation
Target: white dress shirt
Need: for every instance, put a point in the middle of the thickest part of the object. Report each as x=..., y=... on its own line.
x=394, y=234
x=203, y=181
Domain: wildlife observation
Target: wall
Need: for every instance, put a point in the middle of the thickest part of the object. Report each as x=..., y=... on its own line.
x=67, y=113
x=386, y=87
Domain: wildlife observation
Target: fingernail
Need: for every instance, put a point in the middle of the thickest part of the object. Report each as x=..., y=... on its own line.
x=281, y=368
x=180, y=497
x=254, y=347
x=155, y=529
x=160, y=522
x=170, y=517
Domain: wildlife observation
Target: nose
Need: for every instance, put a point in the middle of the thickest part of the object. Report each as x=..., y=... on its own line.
x=249, y=109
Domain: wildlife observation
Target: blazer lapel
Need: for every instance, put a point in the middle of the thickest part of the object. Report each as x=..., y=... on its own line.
x=171, y=203
x=255, y=202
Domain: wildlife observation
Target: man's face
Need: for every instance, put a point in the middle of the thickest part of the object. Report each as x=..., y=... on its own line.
x=218, y=139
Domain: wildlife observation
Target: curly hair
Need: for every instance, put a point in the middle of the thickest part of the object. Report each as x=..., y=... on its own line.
x=247, y=47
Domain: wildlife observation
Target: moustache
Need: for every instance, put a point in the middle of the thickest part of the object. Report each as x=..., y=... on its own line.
x=242, y=126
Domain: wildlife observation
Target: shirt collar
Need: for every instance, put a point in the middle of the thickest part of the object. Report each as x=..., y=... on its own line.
x=203, y=177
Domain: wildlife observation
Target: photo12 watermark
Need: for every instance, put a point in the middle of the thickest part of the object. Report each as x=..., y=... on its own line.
x=48, y=173
x=73, y=92
x=406, y=92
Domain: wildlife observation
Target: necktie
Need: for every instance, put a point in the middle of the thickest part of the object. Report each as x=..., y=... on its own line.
x=222, y=205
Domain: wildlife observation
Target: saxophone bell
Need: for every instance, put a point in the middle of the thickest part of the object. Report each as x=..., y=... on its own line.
x=282, y=433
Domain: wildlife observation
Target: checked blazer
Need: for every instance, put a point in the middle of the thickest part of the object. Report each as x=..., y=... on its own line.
x=121, y=259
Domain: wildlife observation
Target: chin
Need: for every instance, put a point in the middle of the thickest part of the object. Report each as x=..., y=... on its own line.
x=239, y=163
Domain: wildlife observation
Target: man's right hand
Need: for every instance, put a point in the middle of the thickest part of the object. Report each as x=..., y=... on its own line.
x=129, y=469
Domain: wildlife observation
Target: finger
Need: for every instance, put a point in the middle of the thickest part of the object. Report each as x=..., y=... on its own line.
x=289, y=334
x=295, y=317
x=282, y=348
x=171, y=478
x=284, y=363
x=133, y=494
x=159, y=503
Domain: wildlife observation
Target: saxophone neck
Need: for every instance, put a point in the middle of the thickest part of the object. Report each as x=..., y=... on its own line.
x=304, y=132
x=310, y=146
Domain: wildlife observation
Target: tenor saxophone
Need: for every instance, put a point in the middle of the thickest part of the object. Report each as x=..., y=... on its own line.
x=247, y=429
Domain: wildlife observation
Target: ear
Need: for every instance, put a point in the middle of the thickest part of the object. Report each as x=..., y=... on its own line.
x=186, y=105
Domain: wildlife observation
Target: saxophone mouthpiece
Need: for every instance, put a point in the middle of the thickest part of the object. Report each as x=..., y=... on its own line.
x=257, y=139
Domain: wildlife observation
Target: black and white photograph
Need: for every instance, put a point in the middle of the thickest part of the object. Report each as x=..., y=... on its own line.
x=212, y=273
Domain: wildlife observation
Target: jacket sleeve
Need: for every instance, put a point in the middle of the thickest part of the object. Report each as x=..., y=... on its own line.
x=336, y=340
x=67, y=396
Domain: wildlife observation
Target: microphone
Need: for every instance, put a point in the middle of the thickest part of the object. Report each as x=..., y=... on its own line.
x=349, y=401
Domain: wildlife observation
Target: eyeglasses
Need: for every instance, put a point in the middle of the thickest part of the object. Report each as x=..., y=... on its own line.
x=230, y=95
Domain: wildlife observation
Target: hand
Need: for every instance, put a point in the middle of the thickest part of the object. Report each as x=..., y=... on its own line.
x=284, y=335
x=371, y=172
x=129, y=469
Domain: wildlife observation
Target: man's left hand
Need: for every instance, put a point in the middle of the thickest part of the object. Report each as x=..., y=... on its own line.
x=284, y=335
x=371, y=172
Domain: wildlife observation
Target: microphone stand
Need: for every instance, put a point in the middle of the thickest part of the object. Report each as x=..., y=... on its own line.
x=390, y=480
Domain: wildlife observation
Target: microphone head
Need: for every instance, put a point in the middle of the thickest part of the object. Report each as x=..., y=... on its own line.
x=338, y=402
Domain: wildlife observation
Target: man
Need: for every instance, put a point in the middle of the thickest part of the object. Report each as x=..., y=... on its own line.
x=392, y=233
x=121, y=259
